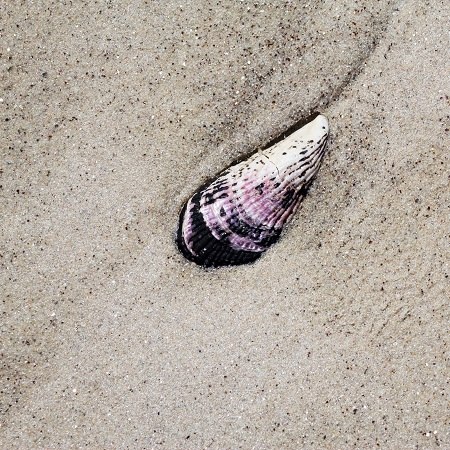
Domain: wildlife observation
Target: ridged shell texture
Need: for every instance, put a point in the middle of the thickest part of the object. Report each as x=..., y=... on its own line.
x=239, y=215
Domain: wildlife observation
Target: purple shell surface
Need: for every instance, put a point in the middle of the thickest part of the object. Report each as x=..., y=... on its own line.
x=239, y=215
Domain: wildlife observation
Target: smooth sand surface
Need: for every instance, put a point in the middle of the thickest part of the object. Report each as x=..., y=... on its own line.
x=112, y=116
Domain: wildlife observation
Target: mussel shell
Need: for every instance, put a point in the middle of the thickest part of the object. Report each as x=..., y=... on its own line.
x=236, y=217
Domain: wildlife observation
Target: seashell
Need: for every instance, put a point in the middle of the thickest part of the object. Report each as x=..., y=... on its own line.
x=241, y=213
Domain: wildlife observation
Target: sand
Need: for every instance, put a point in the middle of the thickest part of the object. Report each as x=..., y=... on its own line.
x=111, y=116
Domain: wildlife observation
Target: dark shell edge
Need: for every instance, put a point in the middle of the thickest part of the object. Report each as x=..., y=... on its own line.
x=211, y=252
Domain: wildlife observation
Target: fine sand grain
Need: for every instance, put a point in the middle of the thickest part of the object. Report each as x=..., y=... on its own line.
x=111, y=116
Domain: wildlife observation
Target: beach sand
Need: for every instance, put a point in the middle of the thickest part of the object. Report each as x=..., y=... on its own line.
x=112, y=116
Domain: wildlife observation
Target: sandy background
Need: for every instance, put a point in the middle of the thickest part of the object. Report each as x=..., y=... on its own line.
x=111, y=116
